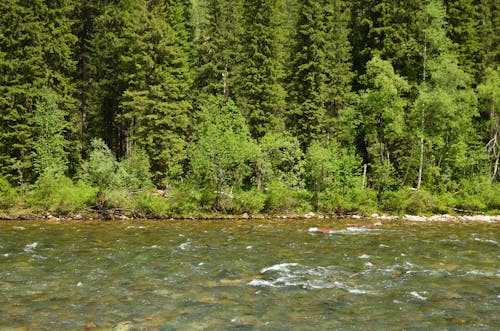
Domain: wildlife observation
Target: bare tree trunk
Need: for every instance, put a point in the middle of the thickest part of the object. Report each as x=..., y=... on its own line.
x=421, y=163
x=422, y=128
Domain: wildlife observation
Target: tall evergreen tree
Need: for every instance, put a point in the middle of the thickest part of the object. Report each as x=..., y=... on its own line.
x=114, y=28
x=320, y=69
x=259, y=91
x=155, y=103
x=218, y=43
x=383, y=28
x=35, y=51
x=84, y=16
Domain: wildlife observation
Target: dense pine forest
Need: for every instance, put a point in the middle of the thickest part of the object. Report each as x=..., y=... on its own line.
x=171, y=107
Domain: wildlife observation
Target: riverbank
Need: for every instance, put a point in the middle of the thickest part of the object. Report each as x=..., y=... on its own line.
x=246, y=216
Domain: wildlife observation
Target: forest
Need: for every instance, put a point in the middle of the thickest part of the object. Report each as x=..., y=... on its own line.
x=155, y=108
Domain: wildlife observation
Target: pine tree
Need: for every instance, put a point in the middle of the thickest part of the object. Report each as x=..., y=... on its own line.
x=489, y=36
x=320, y=69
x=155, y=103
x=463, y=29
x=259, y=91
x=218, y=44
x=84, y=16
x=35, y=52
x=384, y=28
x=109, y=49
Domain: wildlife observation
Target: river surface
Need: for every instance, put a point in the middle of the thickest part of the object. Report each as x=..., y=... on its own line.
x=249, y=275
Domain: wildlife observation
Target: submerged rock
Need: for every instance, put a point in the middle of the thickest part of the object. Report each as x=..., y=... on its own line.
x=123, y=326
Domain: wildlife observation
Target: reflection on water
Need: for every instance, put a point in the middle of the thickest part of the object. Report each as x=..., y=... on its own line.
x=255, y=275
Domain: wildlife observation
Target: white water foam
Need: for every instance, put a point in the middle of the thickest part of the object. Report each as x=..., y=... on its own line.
x=185, y=245
x=280, y=267
x=30, y=247
x=418, y=296
x=489, y=241
x=297, y=275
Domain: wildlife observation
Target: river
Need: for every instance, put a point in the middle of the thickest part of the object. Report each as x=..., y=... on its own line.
x=249, y=275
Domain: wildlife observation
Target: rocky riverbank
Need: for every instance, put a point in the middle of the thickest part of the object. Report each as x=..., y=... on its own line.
x=246, y=216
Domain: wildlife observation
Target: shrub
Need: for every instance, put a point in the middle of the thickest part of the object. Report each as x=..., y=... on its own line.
x=282, y=198
x=151, y=205
x=59, y=194
x=251, y=201
x=478, y=194
x=8, y=195
x=416, y=201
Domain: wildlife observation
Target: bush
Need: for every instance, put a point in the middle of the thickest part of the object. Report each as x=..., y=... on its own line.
x=60, y=195
x=8, y=195
x=186, y=198
x=353, y=200
x=151, y=205
x=282, y=198
x=478, y=194
x=251, y=201
x=416, y=201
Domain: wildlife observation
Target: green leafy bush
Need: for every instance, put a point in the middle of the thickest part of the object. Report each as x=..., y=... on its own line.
x=60, y=195
x=415, y=202
x=8, y=195
x=151, y=205
x=251, y=201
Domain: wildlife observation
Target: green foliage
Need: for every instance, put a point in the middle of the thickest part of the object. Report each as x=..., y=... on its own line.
x=155, y=102
x=382, y=119
x=330, y=168
x=224, y=150
x=59, y=195
x=281, y=160
x=49, y=142
x=8, y=195
x=320, y=69
x=218, y=45
x=36, y=48
x=101, y=169
x=478, y=194
x=142, y=78
x=353, y=200
x=259, y=91
x=416, y=202
x=489, y=96
x=146, y=204
x=251, y=201
x=136, y=175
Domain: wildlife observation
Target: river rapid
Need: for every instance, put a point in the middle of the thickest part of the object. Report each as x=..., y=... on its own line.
x=249, y=275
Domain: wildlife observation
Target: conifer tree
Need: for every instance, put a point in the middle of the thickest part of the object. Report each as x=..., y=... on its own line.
x=155, y=103
x=35, y=51
x=259, y=91
x=320, y=69
x=218, y=44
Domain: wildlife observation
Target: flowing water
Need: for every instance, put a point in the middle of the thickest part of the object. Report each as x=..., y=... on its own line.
x=249, y=275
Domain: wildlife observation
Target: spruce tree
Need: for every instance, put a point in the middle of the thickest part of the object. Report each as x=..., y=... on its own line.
x=155, y=104
x=35, y=52
x=259, y=91
x=320, y=69
x=218, y=45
